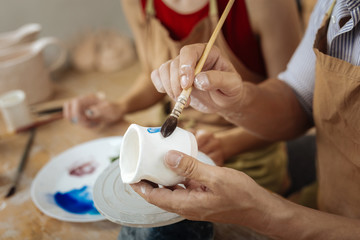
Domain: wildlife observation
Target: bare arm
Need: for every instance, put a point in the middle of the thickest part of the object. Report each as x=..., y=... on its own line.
x=270, y=109
x=141, y=95
x=277, y=25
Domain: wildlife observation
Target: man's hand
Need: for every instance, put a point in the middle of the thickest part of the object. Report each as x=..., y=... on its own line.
x=211, y=193
x=217, y=88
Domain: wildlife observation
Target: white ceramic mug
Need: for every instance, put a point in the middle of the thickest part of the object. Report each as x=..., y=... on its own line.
x=23, y=67
x=142, y=154
x=15, y=110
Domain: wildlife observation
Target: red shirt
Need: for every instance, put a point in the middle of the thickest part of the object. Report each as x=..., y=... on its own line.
x=236, y=30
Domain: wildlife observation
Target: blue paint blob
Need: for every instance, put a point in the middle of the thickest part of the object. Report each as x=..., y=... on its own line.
x=78, y=201
x=154, y=130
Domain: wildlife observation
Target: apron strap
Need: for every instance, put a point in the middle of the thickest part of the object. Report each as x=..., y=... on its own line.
x=329, y=11
x=213, y=10
x=150, y=9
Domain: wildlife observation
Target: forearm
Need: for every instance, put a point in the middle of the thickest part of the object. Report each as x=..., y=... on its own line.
x=292, y=221
x=141, y=95
x=270, y=110
x=237, y=140
x=278, y=218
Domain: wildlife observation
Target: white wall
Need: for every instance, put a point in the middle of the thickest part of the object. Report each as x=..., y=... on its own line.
x=64, y=19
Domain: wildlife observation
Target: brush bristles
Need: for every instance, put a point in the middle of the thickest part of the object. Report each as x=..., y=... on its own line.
x=169, y=126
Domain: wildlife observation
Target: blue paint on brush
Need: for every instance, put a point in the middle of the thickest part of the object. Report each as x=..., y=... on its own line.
x=78, y=201
x=154, y=130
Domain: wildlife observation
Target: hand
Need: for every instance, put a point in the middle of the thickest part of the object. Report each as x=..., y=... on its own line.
x=92, y=110
x=216, y=89
x=211, y=146
x=212, y=193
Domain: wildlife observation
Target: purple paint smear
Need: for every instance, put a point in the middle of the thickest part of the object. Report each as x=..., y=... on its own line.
x=78, y=201
x=83, y=169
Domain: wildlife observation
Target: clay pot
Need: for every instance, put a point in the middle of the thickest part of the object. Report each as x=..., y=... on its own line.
x=24, y=34
x=23, y=67
x=142, y=154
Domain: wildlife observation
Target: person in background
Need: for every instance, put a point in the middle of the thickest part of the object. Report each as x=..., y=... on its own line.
x=260, y=49
x=258, y=44
x=319, y=87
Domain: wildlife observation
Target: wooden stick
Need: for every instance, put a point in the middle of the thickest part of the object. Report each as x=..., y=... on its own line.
x=170, y=124
x=186, y=92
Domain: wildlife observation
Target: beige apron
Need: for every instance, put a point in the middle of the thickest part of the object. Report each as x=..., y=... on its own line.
x=337, y=116
x=154, y=45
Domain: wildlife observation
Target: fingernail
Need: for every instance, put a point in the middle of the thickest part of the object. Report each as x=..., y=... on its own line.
x=184, y=81
x=173, y=159
x=100, y=95
x=89, y=113
x=185, y=71
x=201, y=82
x=74, y=120
x=143, y=189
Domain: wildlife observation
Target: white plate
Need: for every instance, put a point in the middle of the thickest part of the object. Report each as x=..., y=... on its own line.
x=60, y=179
x=119, y=203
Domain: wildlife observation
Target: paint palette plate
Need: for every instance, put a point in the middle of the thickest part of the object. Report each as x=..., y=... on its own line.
x=63, y=188
x=119, y=203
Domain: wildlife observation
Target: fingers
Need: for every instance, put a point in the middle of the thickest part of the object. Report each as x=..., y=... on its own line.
x=226, y=83
x=75, y=109
x=189, y=167
x=164, y=198
x=166, y=78
x=188, y=58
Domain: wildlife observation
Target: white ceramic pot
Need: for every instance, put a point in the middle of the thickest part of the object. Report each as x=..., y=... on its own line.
x=23, y=67
x=142, y=154
x=15, y=110
x=24, y=34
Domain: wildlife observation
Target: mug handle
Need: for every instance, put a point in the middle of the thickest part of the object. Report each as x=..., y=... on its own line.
x=27, y=31
x=40, y=44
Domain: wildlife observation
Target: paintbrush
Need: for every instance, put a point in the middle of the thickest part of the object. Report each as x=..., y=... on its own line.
x=171, y=122
x=21, y=166
x=50, y=110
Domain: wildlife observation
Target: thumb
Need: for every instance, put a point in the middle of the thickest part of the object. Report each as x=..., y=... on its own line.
x=189, y=167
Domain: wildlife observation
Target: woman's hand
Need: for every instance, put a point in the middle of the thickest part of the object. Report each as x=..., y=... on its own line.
x=211, y=146
x=92, y=110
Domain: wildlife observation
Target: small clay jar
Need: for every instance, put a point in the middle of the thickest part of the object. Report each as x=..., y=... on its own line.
x=142, y=154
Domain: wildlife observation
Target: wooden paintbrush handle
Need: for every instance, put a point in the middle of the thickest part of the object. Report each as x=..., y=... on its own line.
x=184, y=96
x=181, y=102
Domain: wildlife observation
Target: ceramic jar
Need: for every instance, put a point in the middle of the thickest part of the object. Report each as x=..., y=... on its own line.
x=142, y=154
x=24, y=34
x=23, y=67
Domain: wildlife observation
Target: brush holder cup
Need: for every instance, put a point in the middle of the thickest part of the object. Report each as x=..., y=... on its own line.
x=23, y=67
x=142, y=154
x=15, y=110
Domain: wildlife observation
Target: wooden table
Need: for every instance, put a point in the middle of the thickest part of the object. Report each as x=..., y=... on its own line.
x=19, y=217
